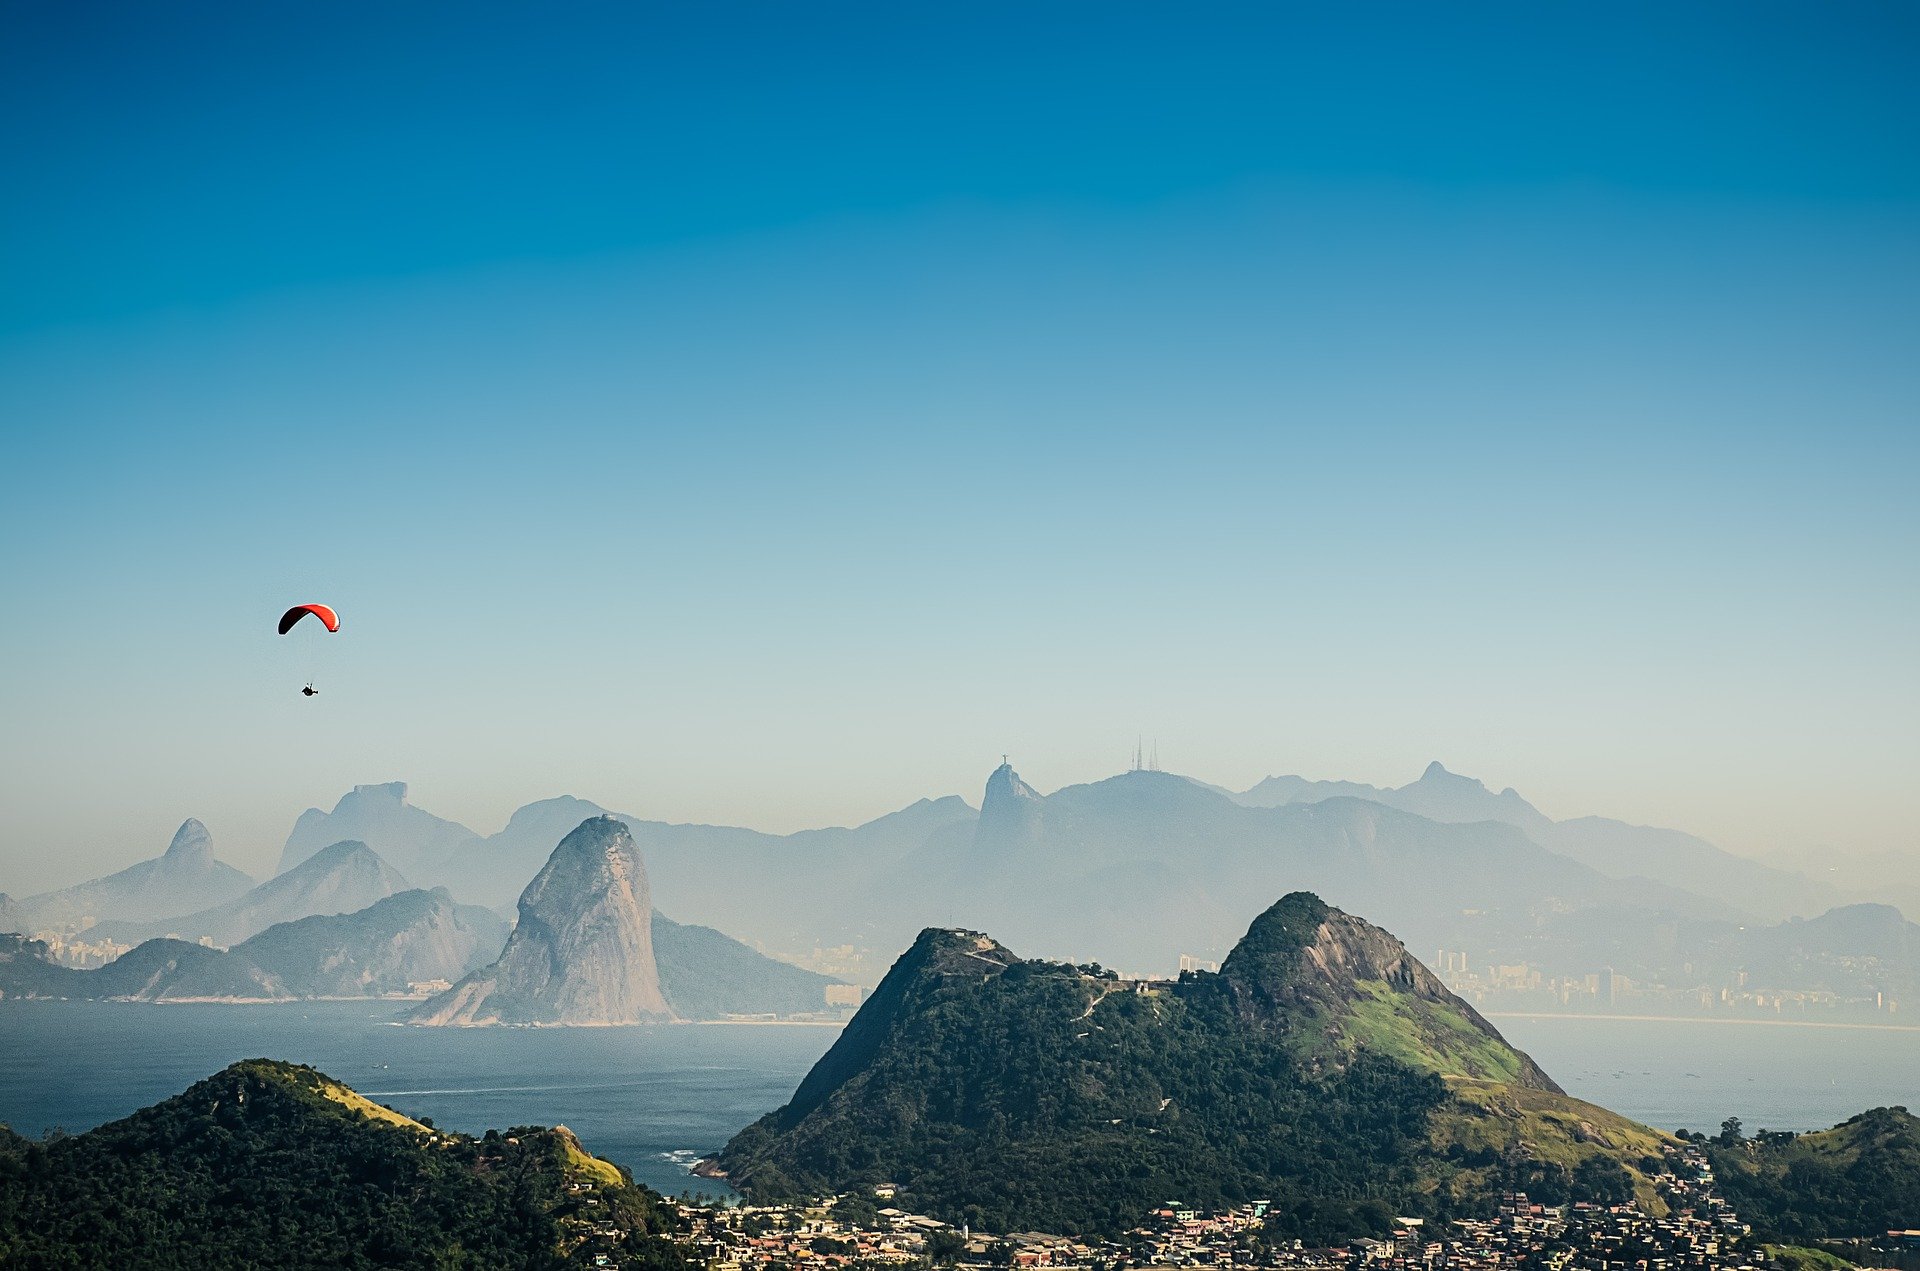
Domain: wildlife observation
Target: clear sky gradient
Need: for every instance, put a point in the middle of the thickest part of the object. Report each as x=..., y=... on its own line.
x=769, y=414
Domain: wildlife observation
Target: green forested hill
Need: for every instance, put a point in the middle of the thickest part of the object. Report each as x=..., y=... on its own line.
x=1323, y=1068
x=267, y=1165
x=1861, y=1178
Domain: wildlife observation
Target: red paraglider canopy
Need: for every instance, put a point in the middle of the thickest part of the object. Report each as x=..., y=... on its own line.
x=293, y=615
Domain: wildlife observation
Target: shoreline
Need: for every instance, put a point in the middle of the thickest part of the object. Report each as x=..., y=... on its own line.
x=1703, y=1019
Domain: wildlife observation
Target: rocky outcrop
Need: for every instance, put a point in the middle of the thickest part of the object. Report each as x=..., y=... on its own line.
x=1009, y=811
x=582, y=950
x=1306, y=966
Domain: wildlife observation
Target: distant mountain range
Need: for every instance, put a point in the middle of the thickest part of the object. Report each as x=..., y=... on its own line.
x=416, y=842
x=1614, y=848
x=1163, y=857
x=385, y=948
x=1146, y=865
x=338, y=879
x=186, y=876
x=410, y=938
x=1855, y=951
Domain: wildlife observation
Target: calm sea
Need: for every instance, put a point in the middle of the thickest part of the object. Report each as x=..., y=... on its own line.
x=651, y=1098
x=656, y=1098
x=1696, y=1073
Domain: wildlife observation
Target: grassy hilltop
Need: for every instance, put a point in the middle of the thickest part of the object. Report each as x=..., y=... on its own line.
x=268, y=1164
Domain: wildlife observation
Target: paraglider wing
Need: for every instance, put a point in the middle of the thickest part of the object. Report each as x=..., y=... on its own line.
x=328, y=617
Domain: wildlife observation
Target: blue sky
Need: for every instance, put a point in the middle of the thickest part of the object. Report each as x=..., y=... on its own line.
x=770, y=414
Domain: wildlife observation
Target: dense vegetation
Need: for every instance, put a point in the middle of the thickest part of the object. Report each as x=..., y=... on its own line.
x=1861, y=1178
x=273, y=1165
x=1018, y=1095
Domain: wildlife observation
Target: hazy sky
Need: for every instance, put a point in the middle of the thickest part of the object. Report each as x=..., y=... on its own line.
x=771, y=413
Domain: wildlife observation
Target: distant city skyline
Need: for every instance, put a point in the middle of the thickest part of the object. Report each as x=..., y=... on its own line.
x=770, y=417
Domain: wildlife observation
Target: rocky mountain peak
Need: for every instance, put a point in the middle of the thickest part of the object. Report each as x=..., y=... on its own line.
x=1005, y=784
x=582, y=950
x=1008, y=807
x=1302, y=959
x=1437, y=774
x=387, y=791
x=191, y=844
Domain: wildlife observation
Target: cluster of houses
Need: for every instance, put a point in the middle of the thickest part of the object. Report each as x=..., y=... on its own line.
x=1698, y=1233
x=819, y=1237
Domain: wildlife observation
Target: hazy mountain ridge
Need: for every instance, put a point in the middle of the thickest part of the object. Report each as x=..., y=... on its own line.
x=1322, y=1063
x=418, y=843
x=1146, y=866
x=707, y=974
x=1166, y=859
x=408, y=938
x=185, y=875
x=381, y=950
x=1615, y=848
x=341, y=878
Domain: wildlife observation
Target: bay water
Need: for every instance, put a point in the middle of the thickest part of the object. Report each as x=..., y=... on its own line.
x=656, y=1098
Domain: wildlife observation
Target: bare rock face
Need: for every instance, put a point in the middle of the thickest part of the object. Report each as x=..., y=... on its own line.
x=582, y=950
x=1302, y=959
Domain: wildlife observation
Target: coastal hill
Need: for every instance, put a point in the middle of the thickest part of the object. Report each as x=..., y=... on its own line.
x=706, y=974
x=582, y=950
x=271, y=1165
x=1322, y=1064
x=186, y=876
x=1858, y=1179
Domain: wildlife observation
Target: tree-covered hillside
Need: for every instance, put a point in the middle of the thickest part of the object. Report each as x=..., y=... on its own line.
x=1322, y=1068
x=1861, y=1178
x=267, y=1165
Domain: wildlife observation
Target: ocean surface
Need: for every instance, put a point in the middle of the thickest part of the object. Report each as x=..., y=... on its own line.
x=652, y=1098
x=1693, y=1074
x=657, y=1098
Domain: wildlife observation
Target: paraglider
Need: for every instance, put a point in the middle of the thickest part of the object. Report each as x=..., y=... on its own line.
x=292, y=617
x=328, y=617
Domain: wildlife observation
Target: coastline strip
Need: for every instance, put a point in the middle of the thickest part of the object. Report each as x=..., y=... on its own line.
x=1703, y=1019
